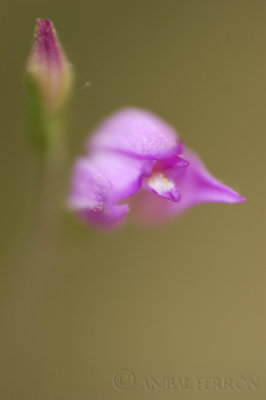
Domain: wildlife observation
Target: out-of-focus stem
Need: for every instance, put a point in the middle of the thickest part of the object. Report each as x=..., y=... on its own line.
x=49, y=86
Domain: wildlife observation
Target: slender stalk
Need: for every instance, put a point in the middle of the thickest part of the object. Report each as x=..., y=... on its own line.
x=24, y=308
x=49, y=81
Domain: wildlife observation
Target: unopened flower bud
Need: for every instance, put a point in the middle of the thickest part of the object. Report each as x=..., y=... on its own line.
x=48, y=66
x=50, y=77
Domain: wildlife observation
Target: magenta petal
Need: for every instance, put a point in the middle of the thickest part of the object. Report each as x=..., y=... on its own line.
x=90, y=189
x=110, y=218
x=90, y=196
x=123, y=172
x=137, y=133
x=172, y=162
x=195, y=184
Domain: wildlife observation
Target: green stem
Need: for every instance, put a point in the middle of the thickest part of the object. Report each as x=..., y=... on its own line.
x=44, y=240
x=23, y=309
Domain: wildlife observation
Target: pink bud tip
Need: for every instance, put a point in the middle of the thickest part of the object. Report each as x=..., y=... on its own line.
x=46, y=43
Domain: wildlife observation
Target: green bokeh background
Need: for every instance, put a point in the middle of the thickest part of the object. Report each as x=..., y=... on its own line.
x=185, y=299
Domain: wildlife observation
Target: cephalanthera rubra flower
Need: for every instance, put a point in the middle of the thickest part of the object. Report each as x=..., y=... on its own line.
x=48, y=66
x=134, y=151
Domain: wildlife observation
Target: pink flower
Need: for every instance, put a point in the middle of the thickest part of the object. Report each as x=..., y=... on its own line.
x=134, y=157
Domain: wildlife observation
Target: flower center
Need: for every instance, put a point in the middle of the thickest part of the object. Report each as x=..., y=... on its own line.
x=164, y=187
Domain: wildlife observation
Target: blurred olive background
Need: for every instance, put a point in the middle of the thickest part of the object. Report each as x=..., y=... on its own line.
x=184, y=299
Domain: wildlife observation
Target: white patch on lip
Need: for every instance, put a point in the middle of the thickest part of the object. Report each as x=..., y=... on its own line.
x=158, y=182
x=163, y=186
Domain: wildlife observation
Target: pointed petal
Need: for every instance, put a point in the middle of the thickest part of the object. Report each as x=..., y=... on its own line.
x=138, y=133
x=195, y=184
x=198, y=185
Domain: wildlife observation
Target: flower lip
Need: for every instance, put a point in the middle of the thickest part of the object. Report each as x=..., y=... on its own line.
x=158, y=183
